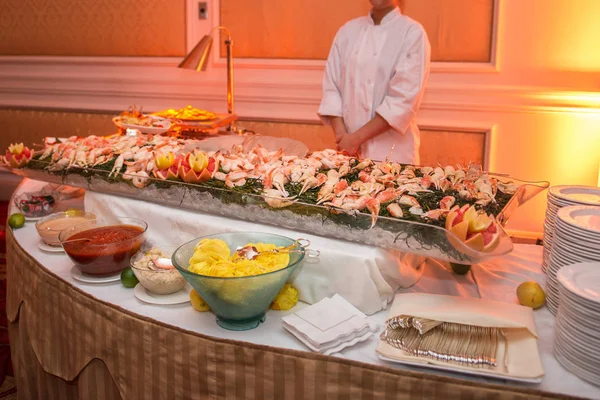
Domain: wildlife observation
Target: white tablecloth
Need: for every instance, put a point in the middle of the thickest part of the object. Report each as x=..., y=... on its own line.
x=365, y=276
x=493, y=280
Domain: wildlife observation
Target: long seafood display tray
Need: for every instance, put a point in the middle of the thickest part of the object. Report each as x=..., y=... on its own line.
x=389, y=233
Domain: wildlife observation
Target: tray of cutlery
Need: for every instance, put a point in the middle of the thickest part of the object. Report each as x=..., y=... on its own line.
x=470, y=336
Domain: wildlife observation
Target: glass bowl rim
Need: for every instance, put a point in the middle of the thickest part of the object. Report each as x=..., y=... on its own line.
x=143, y=224
x=147, y=249
x=51, y=203
x=151, y=271
x=290, y=265
x=34, y=194
x=57, y=214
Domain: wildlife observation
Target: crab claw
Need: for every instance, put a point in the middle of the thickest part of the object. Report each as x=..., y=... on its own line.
x=373, y=206
x=313, y=182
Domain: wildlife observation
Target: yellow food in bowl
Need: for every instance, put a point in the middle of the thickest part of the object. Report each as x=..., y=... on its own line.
x=212, y=257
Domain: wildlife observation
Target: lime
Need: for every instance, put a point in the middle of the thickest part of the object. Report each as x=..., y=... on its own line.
x=531, y=294
x=16, y=221
x=128, y=278
x=198, y=302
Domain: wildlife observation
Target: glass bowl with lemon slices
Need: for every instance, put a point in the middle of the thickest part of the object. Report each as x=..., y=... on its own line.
x=239, y=290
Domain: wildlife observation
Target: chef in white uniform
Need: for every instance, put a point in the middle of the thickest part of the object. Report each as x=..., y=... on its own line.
x=374, y=82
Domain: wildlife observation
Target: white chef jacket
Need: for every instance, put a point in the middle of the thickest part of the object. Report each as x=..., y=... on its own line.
x=379, y=69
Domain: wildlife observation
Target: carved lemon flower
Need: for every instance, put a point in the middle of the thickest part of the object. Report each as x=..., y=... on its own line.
x=198, y=161
x=17, y=156
x=16, y=149
x=164, y=161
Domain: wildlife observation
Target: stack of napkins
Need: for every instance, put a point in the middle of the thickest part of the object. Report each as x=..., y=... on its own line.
x=330, y=325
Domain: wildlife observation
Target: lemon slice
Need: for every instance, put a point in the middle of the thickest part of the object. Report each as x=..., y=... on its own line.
x=470, y=214
x=480, y=223
x=71, y=212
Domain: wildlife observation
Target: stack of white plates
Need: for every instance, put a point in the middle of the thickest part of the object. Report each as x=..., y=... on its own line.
x=561, y=196
x=577, y=335
x=576, y=239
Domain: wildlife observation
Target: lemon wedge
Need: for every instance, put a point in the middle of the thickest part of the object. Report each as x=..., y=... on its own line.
x=470, y=214
x=479, y=223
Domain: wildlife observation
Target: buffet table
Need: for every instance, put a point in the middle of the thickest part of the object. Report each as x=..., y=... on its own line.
x=75, y=340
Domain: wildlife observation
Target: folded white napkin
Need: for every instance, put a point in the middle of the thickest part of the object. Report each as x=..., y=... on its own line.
x=330, y=325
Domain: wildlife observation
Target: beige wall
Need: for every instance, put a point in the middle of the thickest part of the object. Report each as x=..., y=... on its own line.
x=92, y=27
x=30, y=126
x=459, y=30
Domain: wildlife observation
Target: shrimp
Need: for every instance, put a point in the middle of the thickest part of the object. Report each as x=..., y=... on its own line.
x=234, y=179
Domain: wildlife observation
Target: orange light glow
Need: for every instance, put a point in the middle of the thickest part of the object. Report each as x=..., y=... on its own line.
x=575, y=35
x=562, y=148
x=577, y=145
x=589, y=101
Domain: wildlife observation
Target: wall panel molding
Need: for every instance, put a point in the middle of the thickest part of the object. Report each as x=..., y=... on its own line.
x=112, y=84
x=459, y=30
x=196, y=27
x=449, y=144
